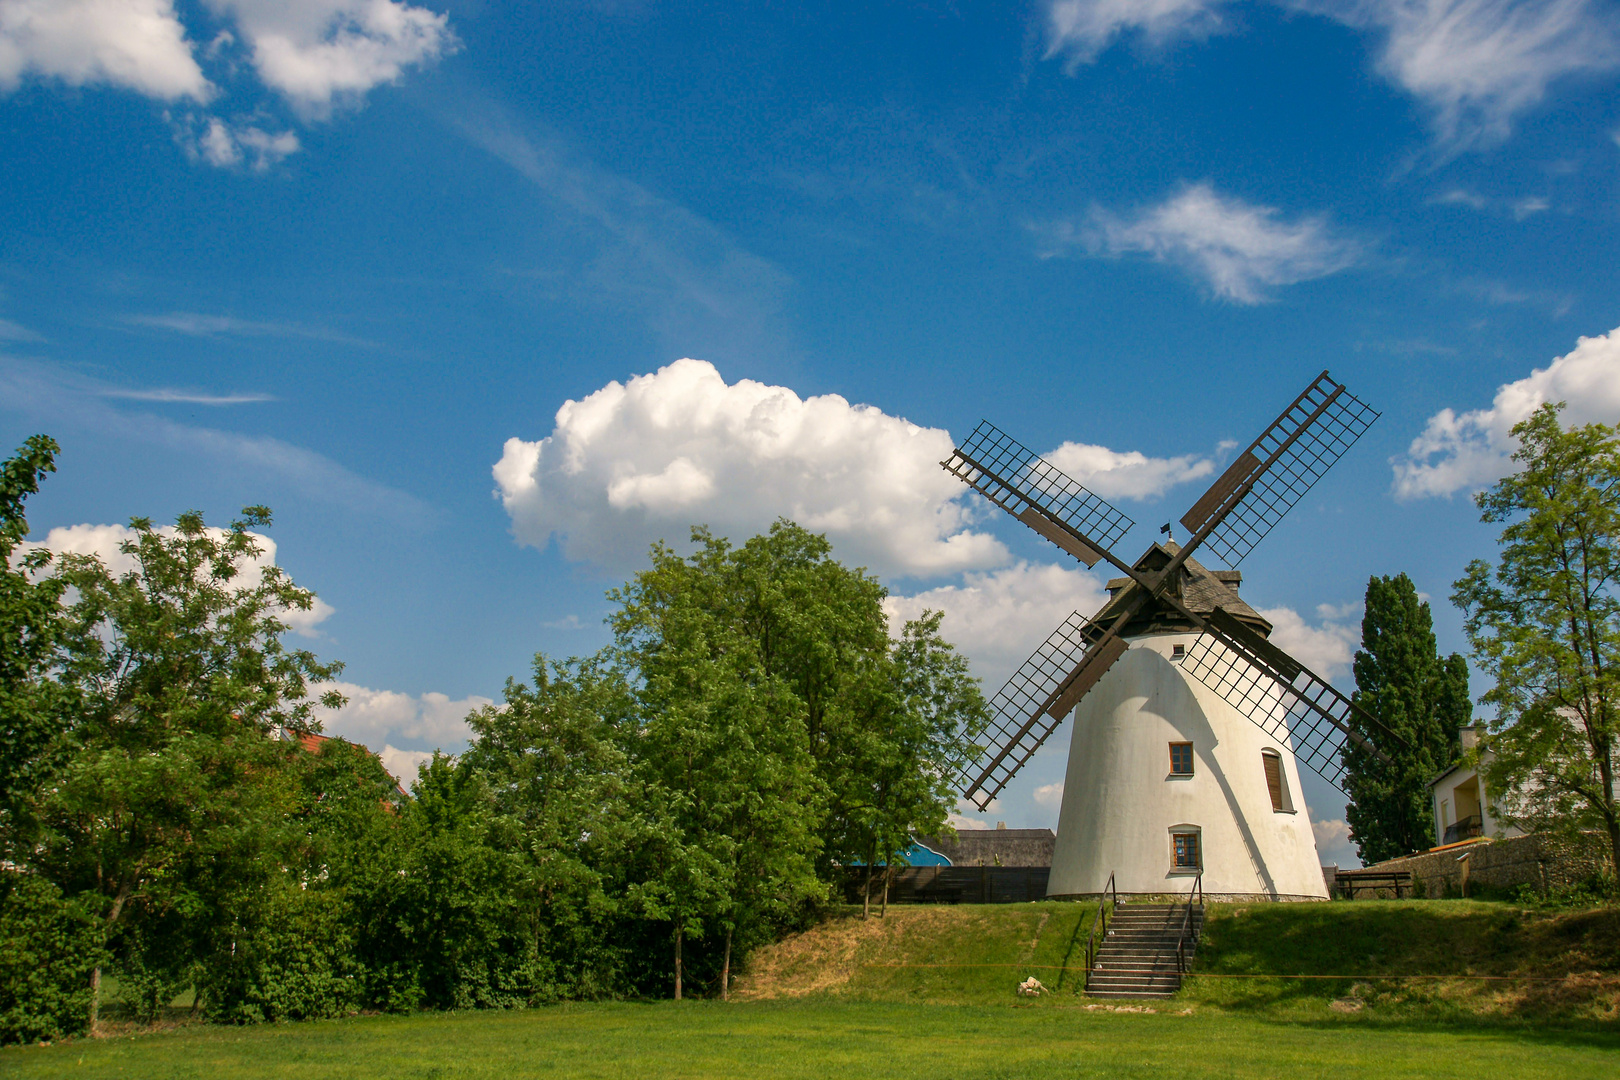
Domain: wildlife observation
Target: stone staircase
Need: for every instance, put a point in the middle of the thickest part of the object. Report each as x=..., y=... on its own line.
x=1137, y=957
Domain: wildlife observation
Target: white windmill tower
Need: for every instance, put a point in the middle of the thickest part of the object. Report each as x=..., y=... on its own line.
x=1188, y=723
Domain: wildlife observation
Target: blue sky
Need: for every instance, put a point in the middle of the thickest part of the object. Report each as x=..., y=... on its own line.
x=351, y=259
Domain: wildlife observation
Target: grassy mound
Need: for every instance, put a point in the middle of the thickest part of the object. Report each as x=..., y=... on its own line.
x=1392, y=958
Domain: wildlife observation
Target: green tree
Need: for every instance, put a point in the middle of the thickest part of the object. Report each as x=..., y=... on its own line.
x=557, y=760
x=723, y=746
x=1545, y=622
x=35, y=708
x=1404, y=683
x=183, y=678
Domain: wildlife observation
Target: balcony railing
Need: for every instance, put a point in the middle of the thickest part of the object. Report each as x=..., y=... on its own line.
x=1464, y=829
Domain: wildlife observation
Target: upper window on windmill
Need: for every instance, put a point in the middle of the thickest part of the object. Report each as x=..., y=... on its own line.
x=1177, y=652
x=1181, y=759
x=1277, y=782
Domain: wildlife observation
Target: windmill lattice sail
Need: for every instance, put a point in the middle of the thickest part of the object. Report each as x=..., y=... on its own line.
x=1037, y=493
x=1277, y=470
x=1279, y=694
x=1038, y=697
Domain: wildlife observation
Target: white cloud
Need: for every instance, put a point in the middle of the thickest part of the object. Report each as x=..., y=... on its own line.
x=1474, y=448
x=1333, y=844
x=1533, y=204
x=324, y=53
x=103, y=541
x=998, y=619
x=1049, y=795
x=230, y=145
x=961, y=822
x=1461, y=197
x=402, y=764
x=1327, y=648
x=1081, y=29
x=1240, y=250
x=1129, y=474
x=645, y=460
x=378, y=718
x=136, y=44
x=1477, y=64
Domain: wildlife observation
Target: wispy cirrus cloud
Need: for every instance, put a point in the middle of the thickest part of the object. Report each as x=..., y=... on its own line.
x=1080, y=30
x=69, y=400
x=10, y=331
x=194, y=324
x=1476, y=65
x=1241, y=251
x=185, y=397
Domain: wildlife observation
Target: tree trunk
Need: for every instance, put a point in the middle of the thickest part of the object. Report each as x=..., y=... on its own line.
x=866, y=894
x=725, y=970
x=888, y=875
x=677, y=963
x=95, y=999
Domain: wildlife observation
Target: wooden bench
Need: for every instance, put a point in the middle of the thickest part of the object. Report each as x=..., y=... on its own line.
x=1348, y=882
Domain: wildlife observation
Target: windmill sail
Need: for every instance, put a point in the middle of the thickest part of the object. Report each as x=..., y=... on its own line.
x=1037, y=698
x=1277, y=470
x=1281, y=695
x=1037, y=493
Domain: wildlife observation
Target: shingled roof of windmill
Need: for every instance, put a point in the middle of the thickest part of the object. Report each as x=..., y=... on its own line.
x=1201, y=589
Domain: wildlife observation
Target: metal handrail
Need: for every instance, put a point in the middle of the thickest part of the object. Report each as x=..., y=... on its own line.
x=1107, y=901
x=1189, y=932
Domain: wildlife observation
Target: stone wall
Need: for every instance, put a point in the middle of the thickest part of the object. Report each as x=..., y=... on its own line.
x=1544, y=861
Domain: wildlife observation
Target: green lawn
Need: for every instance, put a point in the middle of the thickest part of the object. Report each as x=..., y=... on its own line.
x=928, y=992
x=823, y=1038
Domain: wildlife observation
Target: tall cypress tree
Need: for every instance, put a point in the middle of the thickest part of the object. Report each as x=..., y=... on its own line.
x=1402, y=680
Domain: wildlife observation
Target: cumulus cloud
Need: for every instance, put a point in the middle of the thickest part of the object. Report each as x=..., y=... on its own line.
x=1130, y=474
x=231, y=145
x=139, y=45
x=1241, y=251
x=378, y=718
x=997, y=619
x=1081, y=29
x=1327, y=647
x=1049, y=795
x=402, y=764
x=644, y=460
x=322, y=53
x=1333, y=844
x=318, y=55
x=1477, y=64
x=1472, y=449
x=103, y=541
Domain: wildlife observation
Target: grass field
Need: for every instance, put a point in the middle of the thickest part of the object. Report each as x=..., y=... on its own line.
x=929, y=992
x=823, y=1038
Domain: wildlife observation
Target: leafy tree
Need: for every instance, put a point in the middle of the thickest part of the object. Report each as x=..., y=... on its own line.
x=723, y=748
x=1545, y=622
x=35, y=709
x=1405, y=684
x=183, y=677
x=557, y=761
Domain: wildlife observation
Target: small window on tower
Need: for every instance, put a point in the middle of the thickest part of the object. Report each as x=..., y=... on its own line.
x=1276, y=782
x=1186, y=853
x=1181, y=759
x=1177, y=652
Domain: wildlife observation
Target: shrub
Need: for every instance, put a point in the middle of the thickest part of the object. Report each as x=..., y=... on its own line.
x=50, y=949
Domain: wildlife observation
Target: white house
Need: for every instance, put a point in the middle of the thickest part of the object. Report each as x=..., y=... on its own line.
x=1462, y=806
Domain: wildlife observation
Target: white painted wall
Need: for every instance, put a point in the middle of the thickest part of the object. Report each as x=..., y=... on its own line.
x=1446, y=800
x=1120, y=802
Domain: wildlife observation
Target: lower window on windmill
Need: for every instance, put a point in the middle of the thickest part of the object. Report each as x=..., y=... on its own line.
x=1185, y=846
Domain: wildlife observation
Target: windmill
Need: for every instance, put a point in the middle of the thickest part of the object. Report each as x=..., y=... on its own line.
x=1188, y=664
